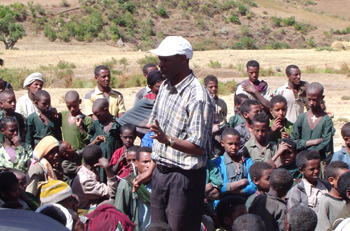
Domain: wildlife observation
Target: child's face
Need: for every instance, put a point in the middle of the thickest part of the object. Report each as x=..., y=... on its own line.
x=238, y=106
x=287, y=157
x=155, y=87
x=323, y=106
x=10, y=130
x=11, y=194
x=239, y=211
x=131, y=158
x=68, y=150
x=43, y=104
x=253, y=74
x=22, y=181
x=279, y=110
x=103, y=78
x=340, y=172
x=142, y=164
x=314, y=98
x=212, y=87
x=254, y=109
x=311, y=171
x=231, y=144
x=264, y=182
x=260, y=131
x=35, y=86
x=128, y=138
x=9, y=104
x=73, y=106
x=53, y=157
x=101, y=114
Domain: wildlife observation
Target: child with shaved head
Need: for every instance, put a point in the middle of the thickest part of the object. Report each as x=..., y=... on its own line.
x=74, y=123
x=344, y=153
x=313, y=130
x=105, y=131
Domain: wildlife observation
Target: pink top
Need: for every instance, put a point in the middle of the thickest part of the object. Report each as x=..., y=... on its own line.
x=12, y=153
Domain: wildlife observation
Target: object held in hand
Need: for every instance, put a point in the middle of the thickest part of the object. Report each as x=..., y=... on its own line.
x=104, y=140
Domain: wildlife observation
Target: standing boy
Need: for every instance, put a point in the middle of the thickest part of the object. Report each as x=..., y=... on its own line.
x=332, y=204
x=310, y=190
x=238, y=117
x=42, y=123
x=107, y=126
x=136, y=205
x=253, y=87
x=295, y=93
x=313, y=130
x=146, y=90
x=104, y=91
x=272, y=207
x=344, y=153
x=280, y=127
x=234, y=168
x=86, y=184
x=260, y=173
x=75, y=124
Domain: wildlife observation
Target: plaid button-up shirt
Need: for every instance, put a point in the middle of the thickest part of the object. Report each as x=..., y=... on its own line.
x=184, y=111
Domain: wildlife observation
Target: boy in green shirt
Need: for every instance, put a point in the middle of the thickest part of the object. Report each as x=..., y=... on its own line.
x=238, y=117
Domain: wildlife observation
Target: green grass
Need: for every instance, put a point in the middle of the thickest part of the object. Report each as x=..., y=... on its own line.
x=214, y=64
x=225, y=88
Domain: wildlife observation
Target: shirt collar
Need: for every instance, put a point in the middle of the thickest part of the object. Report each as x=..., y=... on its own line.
x=227, y=159
x=308, y=187
x=183, y=84
x=98, y=92
x=255, y=143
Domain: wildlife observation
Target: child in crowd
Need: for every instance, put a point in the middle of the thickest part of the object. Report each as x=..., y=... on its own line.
x=271, y=207
x=344, y=191
x=234, y=168
x=75, y=124
x=344, y=153
x=280, y=127
x=324, y=108
x=238, y=117
x=21, y=176
x=313, y=130
x=136, y=206
x=287, y=158
x=46, y=167
x=332, y=204
x=107, y=126
x=260, y=173
x=128, y=136
x=130, y=162
x=228, y=210
x=86, y=184
x=310, y=190
x=249, y=109
x=260, y=148
x=301, y=218
x=13, y=153
x=249, y=222
x=214, y=182
x=146, y=90
x=8, y=105
x=70, y=161
x=42, y=123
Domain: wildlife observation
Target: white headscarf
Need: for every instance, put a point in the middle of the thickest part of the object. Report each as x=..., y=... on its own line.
x=31, y=78
x=69, y=223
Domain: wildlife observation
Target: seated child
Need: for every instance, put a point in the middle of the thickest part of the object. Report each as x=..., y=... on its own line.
x=300, y=217
x=70, y=161
x=249, y=109
x=234, y=168
x=280, y=127
x=228, y=210
x=249, y=222
x=344, y=153
x=288, y=158
x=86, y=184
x=130, y=162
x=260, y=148
x=344, y=191
x=271, y=207
x=136, y=206
x=46, y=167
x=42, y=123
x=332, y=204
x=310, y=190
x=107, y=126
x=313, y=130
x=260, y=175
x=8, y=105
x=128, y=136
x=238, y=117
x=13, y=153
x=75, y=124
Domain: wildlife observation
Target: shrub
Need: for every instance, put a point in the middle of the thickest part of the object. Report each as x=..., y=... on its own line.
x=311, y=42
x=276, y=21
x=278, y=45
x=245, y=43
x=11, y=31
x=65, y=65
x=234, y=19
x=110, y=63
x=242, y=9
x=290, y=21
x=123, y=61
x=214, y=64
x=148, y=59
x=162, y=12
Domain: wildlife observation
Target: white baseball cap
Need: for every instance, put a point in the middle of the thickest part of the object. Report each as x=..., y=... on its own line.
x=174, y=45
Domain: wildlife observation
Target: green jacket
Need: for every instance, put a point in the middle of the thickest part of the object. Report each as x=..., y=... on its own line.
x=24, y=154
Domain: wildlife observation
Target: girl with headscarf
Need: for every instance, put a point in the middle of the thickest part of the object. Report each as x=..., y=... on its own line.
x=25, y=104
x=45, y=164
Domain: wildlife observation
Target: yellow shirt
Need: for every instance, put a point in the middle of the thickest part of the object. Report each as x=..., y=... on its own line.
x=115, y=100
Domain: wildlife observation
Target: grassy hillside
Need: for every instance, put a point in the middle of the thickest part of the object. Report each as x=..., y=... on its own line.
x=208, y=24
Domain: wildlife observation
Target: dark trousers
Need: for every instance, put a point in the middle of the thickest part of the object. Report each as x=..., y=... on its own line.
x=178, y=197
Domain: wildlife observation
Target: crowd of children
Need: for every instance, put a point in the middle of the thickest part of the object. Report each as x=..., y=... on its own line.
x=272, y=165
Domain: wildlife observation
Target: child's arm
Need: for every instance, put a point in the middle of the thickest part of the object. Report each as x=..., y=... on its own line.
x=97, y=140
x=282, y=147
x=251, y=187
x=276, y=127
x=211, y=192
x=327, y=134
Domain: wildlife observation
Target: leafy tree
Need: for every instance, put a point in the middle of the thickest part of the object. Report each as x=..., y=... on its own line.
x=10, y=31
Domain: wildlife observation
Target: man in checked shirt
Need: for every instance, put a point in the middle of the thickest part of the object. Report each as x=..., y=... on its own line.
x=182, y=120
